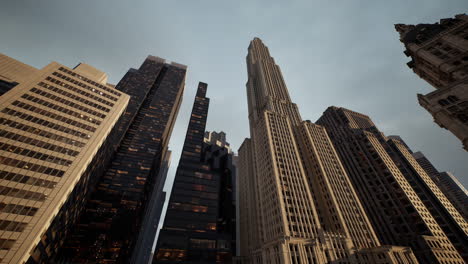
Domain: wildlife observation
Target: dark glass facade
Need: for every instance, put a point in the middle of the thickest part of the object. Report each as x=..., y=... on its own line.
x=49, y=245
x=108, y=229
x=199, y=221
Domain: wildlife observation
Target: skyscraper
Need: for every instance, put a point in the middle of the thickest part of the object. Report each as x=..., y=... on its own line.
x=455, y=192
x=395, y=197
x=197, y=226
x=426, y=165
x=439, y=55
x=109, y=228
x=144, y=248
x=297, y=204
x=56, y=136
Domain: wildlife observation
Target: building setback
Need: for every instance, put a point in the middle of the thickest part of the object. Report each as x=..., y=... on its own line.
x=392, y=194
x=199, y=224
x=297, y=204
x=447, y=183
x=108, y=230
x=455, y=192
x=439, y=55
x=56, y=136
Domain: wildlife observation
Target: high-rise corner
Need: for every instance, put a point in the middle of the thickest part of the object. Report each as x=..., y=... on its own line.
x=56, y=134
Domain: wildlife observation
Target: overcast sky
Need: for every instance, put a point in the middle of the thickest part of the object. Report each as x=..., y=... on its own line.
x=343, y=53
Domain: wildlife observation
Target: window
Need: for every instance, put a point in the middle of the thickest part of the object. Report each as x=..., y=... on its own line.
x=443, y=102
x=452, y=98
x=202, y=243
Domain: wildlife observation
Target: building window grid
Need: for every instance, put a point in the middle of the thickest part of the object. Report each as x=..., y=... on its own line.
x=36, y=131
x=87, y=87
x=61, y=109
x=114, y=92
x=73, y=96
x=37, y=143
x=29, y=180
x=45, y=123
x=61, y=100
x=30, y=166
x=34, y=154
x=54, y=116
x=79, y=91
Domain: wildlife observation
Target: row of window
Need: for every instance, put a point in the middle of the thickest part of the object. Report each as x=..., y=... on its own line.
x=79, y=91
x=89, y=81
x=74, y=97
x=18, y=209
x=89, y=88
x=30, y=166
x=45, y=123
x=6, y=244
x=22, y=194
x=40, y=132
x=37, y=143
x=69, y=103
x=12, y=226
x=61, y=109
x=34, y=154
x=16, y=177
x=53, y=116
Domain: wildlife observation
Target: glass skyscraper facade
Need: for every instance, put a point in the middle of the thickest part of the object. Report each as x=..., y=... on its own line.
x=109, y=228
x=194, y=230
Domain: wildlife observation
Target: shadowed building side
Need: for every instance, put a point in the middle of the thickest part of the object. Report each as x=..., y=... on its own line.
x=199, y=224
x=56, y=138
x=109, y=228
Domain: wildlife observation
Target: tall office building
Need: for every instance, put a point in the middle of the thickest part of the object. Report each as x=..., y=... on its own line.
x=439, y=55
x=109, y=228
x=144, y=248
x=215, y=138
x=198, y=227
x=447, y=183
x=403, y=203
x=455, y=192
x=297, y=204
x=56, y=135
x=426, y=165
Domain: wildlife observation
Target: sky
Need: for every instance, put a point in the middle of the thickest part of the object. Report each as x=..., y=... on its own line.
x=338, y=52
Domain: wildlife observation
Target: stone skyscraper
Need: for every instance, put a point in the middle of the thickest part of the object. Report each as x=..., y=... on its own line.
x=439, y=55
x=56, y=136
x=297, y=204
x=109, y=229
x=403, y=203
x=197, y=227
x=447, y=183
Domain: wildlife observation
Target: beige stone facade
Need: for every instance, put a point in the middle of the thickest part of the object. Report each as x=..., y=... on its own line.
x=397, y=212
x=297, y=204
x=439, y=54
x=52, y=124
